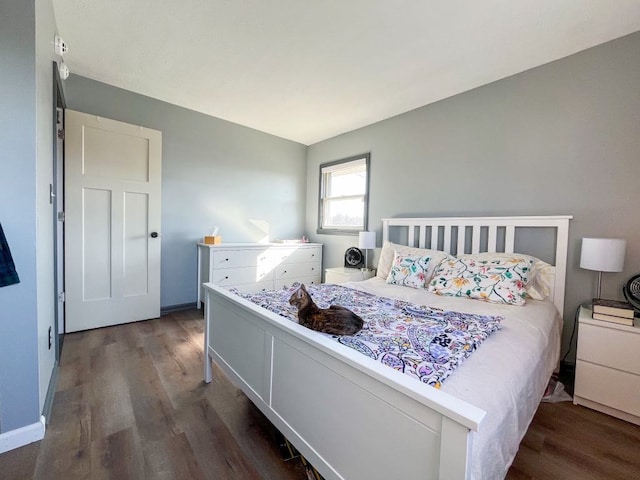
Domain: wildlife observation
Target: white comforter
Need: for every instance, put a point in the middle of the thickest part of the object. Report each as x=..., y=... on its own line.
x=506, y=377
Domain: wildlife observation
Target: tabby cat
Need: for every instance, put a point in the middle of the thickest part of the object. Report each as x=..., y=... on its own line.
x=335, y=320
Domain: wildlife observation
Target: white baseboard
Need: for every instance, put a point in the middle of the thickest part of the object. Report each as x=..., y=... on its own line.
x=22, y=436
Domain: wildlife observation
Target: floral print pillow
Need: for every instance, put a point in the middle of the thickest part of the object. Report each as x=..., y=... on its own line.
x=495, y=280
x=408, y=270
x=385, y=261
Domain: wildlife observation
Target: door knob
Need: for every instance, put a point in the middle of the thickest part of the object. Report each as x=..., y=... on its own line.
x=154, y=234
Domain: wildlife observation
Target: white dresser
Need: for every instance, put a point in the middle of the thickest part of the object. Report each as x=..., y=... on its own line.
x=608, y=367
x=252, y=267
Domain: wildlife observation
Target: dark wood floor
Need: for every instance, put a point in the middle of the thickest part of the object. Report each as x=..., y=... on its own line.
x=131, y=404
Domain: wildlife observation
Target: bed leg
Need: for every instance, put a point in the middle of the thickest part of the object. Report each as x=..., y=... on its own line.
x=455, y=450
x=208, y=375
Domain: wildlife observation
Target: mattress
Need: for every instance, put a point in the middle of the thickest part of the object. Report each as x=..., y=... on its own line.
x=506, y=377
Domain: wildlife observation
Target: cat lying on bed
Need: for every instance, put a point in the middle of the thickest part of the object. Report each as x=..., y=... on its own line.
x=335, y=320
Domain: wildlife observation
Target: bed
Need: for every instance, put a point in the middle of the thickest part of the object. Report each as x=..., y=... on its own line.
x=354, y=418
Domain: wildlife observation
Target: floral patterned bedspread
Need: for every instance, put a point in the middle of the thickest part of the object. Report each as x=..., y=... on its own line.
x=425, y=343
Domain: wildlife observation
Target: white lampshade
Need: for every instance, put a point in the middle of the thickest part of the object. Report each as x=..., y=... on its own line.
x=603, y=254
x=367, y=240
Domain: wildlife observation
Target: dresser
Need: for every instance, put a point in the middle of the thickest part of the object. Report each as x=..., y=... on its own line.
x=608, y=367
x=253, y=267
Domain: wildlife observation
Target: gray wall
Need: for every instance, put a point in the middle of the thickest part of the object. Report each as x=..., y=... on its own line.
x=563, y=138
x=213, y=173
x=18, y=314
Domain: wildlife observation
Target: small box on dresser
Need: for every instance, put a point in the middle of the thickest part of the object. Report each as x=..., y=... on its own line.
x=608, y=367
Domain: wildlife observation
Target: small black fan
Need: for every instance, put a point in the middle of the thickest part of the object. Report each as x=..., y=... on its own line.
x=353, y=258
x=631, y=291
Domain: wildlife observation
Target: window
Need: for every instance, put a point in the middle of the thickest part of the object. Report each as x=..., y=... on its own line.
x=344, y=195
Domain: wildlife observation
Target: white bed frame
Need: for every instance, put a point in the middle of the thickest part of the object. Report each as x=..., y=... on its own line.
x=350, y=416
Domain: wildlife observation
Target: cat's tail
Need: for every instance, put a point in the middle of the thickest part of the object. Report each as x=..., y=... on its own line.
x=356, y=323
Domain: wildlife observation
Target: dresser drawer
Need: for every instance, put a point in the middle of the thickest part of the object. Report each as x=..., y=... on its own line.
x=294, y=270
x=302, y=255
x=235, y=258
x=239, y=276
x=607, y=386
x=610, y=347
x=269, y=257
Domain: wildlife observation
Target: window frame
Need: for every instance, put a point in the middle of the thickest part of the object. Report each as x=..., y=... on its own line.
x=365, y=218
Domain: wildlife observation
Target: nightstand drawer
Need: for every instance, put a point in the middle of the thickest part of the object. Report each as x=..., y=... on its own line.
x=610, y=347
x=613, y=388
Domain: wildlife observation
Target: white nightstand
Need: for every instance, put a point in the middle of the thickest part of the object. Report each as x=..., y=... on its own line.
x=343, y=275
x=608, y=367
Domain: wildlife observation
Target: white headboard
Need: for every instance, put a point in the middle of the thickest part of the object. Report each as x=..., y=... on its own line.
x=457, y=234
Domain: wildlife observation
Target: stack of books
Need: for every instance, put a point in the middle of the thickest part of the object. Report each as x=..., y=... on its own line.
x=613, y=311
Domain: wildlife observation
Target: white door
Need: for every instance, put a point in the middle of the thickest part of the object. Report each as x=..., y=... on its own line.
x=112, y=222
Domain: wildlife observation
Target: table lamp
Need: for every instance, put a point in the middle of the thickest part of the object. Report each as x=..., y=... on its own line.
x=602, y=255
x=366, y=241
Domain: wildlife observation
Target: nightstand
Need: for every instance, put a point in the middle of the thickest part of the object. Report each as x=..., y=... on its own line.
x=608, y=367
x=343, y=275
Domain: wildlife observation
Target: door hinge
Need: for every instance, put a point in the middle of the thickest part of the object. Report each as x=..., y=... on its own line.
x=61, y=216
x=61, y=297
x=61, y=134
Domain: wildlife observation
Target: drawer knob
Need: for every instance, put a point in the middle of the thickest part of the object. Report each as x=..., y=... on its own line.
x=226, y=259
x=226, y=278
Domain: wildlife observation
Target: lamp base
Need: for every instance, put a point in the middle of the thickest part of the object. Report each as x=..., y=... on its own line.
x=599, y=284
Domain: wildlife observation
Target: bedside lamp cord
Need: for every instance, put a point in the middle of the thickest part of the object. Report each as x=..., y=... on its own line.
x=573, y=332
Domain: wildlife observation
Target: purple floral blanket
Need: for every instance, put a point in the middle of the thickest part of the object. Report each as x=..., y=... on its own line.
x=423, y=342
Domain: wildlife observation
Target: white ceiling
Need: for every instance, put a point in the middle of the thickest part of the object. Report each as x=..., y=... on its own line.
x=310, y=70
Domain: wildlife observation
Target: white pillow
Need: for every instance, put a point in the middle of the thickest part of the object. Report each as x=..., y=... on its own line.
x=388, y=250
x=409, y=270
x=540, y=286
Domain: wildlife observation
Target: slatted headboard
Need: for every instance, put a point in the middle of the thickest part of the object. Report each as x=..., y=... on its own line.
x=485, y=234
